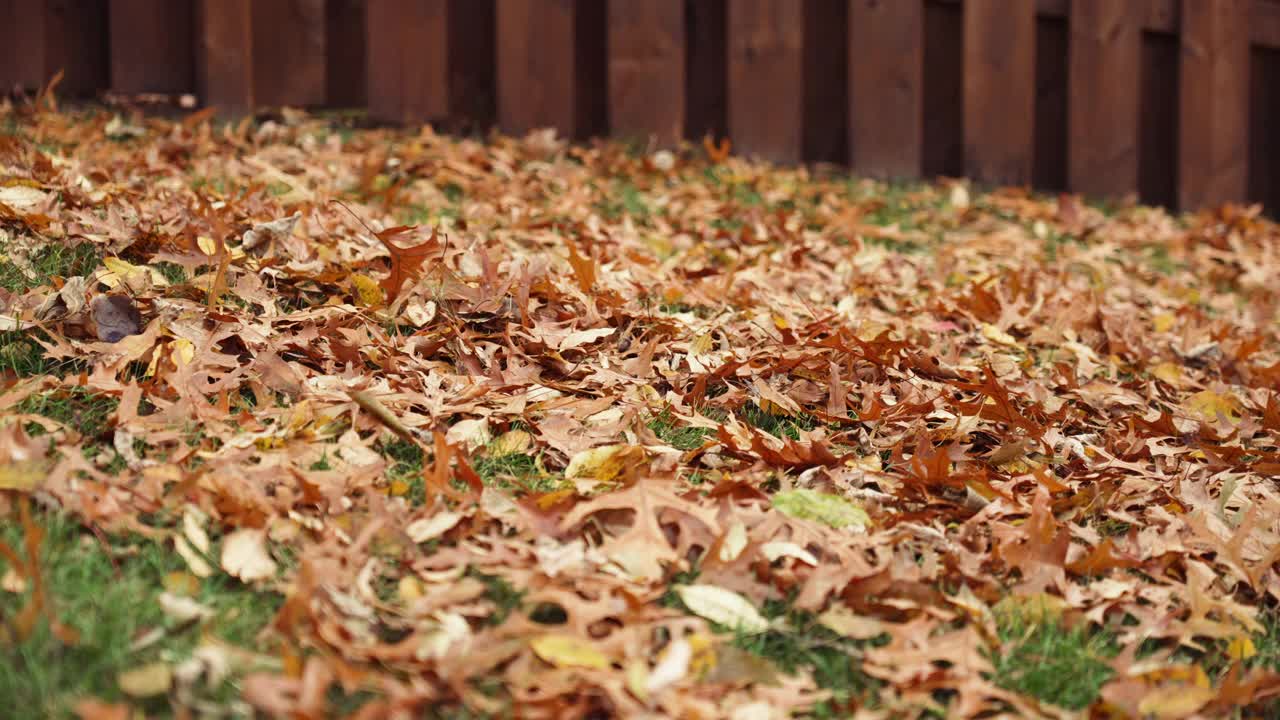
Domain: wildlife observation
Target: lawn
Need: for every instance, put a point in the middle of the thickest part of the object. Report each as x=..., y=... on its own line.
x=302, y=420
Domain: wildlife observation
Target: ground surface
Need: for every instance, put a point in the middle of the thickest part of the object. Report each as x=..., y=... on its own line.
x=628, y=432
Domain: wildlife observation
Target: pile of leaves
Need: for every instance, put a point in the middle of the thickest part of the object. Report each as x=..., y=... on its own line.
x=392, y=424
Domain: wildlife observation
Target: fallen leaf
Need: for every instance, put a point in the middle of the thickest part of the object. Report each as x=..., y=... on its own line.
x=245, y=556
x=569, y=651
x=146, y=681
x=115, y=317
x=833, y=510
x=723, y=607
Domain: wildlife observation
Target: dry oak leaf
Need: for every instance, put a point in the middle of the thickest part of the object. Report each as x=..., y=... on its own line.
x=245, y=556
x=406, y=262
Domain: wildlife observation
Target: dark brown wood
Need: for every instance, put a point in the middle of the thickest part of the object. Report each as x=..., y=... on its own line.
x=22, y=52
x=1049, y=161
x=408, y=59
x=536, y=69
x=825, y=114
x=646, y=69
x=1264, y=142
x=39, y=38
x=765, y=39
x=999, y=90
x=1158, y=121
x=943, y=90
x=1105, y=58
x=1157, y=15
x=289, y=52
x=706, y=77
x=224, y=60
x=345, y=65
x=152, y=46
x=886, y=87
x=1214, y=102
x=1264, y=25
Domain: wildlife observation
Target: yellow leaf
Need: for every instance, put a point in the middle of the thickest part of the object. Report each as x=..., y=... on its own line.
x=569, y=651
x=23, y=475
x=181, y=583
x=1208, y=405
x=1169, y=372
x=398, y=487
x=130, y=273
x=367, y=290
x=1034, y=608
x=410, y=588
x=602, y=464
x=146, y=681
x=1241, y=647
x=510, y=443
x=1163, y=322
x=207, y=245
x=996, y=335
x=182, y=352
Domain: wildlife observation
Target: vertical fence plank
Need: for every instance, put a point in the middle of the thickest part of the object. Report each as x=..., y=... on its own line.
x=345, y=47
x=1102, y=120
x=1214, y=104
x=765, y=44
x=1264, y=117
x=536, y=72
x=289, y=52
x=151, y=46
x=1049, y=161
x=224, y=61
x=38, y=38
x=646, y=69
x=22, y=55
x=886, y=87
x=384, y=46
x=706, y=81
x=999, y=90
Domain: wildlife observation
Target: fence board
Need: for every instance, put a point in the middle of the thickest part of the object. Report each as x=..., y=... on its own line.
x=1102, y=123
x=224, y=60
x=999, y=90
x=345, y=65
x=536, y=70
x=289, y=52
x=766, y=89
x=1214, y=103
x=151, y=46
x=40, y=37
x=408, y=59
x=647, y=69
x=886, y=87
x=706, y=81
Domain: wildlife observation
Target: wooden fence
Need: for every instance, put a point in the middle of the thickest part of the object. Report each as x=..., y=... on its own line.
x=1174, y=100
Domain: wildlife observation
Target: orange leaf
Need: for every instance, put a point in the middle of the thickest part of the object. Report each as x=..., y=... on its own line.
x=406, y=262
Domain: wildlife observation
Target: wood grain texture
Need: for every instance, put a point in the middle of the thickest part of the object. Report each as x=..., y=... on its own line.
x=39, y=38
x=886, y=87
x=1105, y=62
x=224, y=59
x=536, y=71
x=647, y=69
x=1214, y=102
x=765, y=62
x=289, y=52
x=152, y=46
x=999, y=90
x=408, y=59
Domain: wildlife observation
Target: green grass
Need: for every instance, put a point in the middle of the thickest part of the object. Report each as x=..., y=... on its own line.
x=1053, y=663
x=801, y=644
x=86, y=412
x=22, y=356
x=680, y=437
x=47, y=262
x=109, y=607
x=780, y=426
